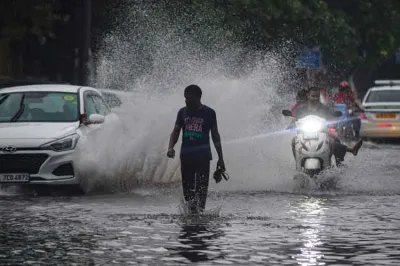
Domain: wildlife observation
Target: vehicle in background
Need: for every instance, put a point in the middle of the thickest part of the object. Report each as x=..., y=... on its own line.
x=41, y=127
x=381, y=116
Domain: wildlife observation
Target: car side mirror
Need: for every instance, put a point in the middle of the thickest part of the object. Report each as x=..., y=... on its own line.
x=96, y=119
x=337, y=114
x=287, y=113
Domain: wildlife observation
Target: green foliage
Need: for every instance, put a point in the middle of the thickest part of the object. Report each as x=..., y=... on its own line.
x=345, y=30
x=349, y=32
x=377, y=27
x=19, y=18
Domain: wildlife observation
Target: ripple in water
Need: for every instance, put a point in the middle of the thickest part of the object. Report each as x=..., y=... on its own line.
x=272, y=230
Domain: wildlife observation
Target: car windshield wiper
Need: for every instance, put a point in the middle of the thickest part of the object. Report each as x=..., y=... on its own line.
x=3, y=98
x=20, y=111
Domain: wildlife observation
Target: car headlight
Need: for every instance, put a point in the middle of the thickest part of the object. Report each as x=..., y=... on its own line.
x=310, y=126
x=64, y=144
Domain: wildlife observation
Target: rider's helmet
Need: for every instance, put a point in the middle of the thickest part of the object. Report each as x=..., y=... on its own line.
x=344, y=86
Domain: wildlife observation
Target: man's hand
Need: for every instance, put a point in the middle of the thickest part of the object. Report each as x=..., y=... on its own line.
x=171, y=153
x=173, y=139
x=221, y=164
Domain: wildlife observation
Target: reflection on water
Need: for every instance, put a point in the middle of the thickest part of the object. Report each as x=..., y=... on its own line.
x=310, y=214
x=197, y=240
x=265, y=229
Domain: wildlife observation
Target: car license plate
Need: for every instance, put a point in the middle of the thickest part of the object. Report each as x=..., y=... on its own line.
x=310, y=136
x=386, y=115
x=14, y=178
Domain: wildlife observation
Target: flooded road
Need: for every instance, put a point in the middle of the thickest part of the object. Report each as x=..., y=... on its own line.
x=349, y=225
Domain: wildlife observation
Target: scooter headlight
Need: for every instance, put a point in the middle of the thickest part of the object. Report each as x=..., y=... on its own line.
x=310, y=126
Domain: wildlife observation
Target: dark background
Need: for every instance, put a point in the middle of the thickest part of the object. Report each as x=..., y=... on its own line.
x=49, y=40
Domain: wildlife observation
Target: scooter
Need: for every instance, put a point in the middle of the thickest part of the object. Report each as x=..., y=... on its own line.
x=312, y=150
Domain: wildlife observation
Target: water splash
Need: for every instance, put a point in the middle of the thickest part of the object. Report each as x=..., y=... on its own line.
x=209, y=213
x=149, y=56
x=153, y=57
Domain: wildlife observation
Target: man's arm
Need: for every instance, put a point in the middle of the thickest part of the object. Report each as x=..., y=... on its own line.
x=217, y=141
x=301, y=110
x=173, y=138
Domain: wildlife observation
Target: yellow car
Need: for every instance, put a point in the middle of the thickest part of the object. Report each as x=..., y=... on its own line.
x=381, y=104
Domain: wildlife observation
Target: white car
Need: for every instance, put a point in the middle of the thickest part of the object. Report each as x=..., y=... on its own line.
x=381, y=104
x=40, y=128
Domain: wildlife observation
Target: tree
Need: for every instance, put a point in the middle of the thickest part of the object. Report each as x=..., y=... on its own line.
x=376, y=24
x=348, y=32
x=21, y=20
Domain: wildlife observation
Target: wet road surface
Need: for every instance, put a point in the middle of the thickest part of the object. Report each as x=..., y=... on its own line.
x=343, y=226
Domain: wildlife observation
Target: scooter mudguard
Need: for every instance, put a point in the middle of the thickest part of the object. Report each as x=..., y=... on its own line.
x=312, y=164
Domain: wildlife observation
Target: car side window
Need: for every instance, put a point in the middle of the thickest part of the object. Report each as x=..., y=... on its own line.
x=90, y=107
x=94, y=104
x=101, y=105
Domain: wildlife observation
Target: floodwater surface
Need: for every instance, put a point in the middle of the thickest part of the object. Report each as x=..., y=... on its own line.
x=354, y=223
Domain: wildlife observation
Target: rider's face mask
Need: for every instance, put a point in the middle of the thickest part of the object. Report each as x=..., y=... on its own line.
x=300, y=99
x=313, y=98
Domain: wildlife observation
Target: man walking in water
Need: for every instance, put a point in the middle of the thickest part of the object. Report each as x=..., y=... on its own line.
x=196, y=121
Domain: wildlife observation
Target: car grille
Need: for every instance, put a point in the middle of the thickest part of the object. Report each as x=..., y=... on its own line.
x=21, y=163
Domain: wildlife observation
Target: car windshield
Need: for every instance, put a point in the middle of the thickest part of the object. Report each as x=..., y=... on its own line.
x=384, y=96
x=38, y=107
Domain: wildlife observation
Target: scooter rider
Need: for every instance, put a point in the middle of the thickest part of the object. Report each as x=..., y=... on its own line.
x=345, y=96
x=301, y=97
x=314, y=107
